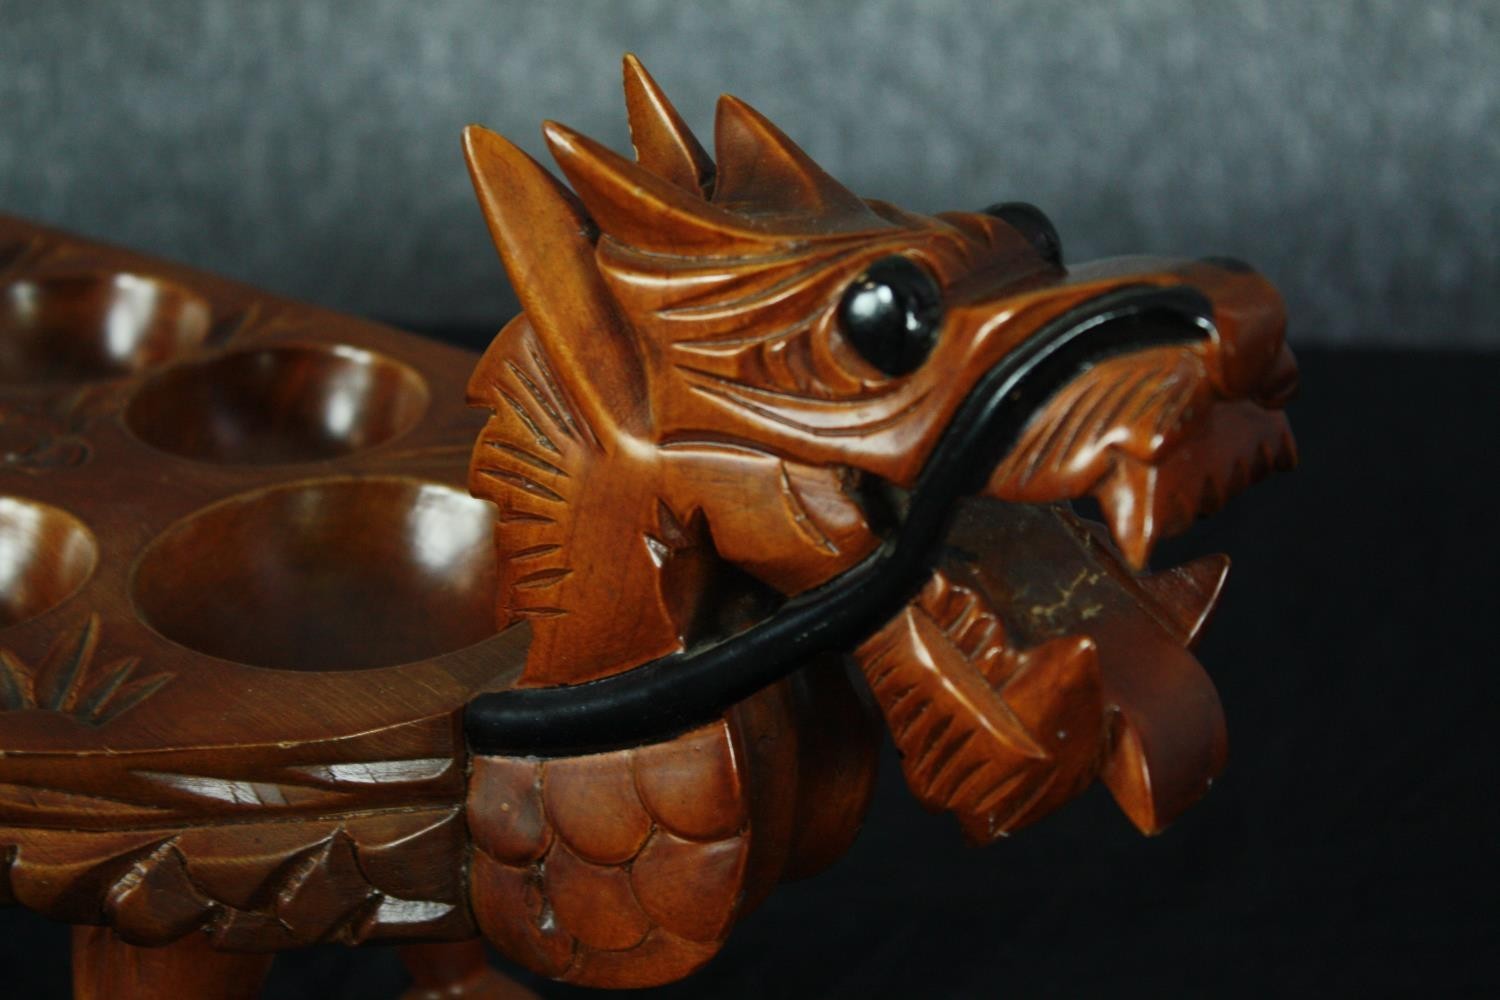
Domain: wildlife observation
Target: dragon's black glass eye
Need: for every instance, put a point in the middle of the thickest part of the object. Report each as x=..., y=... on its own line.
x=1032, y=223
x=891, y=314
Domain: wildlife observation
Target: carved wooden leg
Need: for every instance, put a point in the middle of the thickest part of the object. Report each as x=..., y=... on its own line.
x=458, y=971
x=106, y=968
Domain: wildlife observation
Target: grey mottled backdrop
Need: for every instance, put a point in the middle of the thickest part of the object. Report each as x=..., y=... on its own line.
x=1352, y=150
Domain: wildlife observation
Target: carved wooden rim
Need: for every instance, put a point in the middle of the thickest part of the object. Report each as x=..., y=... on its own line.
x=671, y=695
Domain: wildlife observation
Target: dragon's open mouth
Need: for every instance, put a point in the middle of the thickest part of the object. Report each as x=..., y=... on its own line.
x=1039, y=657
x=989, y=434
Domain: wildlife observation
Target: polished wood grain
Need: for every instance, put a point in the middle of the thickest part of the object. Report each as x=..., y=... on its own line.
x=256, y=559
x=104, y=967
x=243, y=596
x=457, y=970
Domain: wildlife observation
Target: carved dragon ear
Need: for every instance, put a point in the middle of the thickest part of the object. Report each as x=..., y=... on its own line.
x=642, y=210
x=546, y=241
x=532, y=218
x=763, y=171
x=664, y=144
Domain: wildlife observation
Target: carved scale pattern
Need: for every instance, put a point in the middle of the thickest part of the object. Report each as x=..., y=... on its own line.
x=628, y=867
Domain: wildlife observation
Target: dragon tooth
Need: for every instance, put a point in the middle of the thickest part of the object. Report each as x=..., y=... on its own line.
x=1129, y=501
x=1167, y=734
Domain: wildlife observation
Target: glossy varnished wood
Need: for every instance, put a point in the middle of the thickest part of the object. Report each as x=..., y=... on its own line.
x=682, y=393
x=104, y=967
x=262, y=566
x=245, y=594
x=457, y=970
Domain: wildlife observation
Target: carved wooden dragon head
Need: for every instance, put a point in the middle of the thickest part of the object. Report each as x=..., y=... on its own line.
x=742, y=400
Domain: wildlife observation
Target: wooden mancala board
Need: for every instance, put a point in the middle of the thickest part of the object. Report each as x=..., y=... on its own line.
x=246, y=596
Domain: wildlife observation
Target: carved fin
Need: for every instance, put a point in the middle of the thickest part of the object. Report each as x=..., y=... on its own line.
x=761, y=170
x=546, y=242
x=642, y=210
x=996, y=734
x=664, y=144
x=1187, y=595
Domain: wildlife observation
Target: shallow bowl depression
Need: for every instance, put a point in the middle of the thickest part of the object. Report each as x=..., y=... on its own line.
x=46, y=554
x=343, y=574
x=92, y=325
x=277, y=405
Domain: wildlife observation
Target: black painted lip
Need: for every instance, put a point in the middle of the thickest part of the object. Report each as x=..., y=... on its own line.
x=668, y=696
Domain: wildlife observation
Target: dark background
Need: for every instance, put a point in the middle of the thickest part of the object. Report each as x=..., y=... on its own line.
x=1352, y=151
x=1349, y=850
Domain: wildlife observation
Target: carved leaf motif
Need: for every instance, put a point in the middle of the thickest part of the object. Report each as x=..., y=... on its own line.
x=69, y=680
x=37, y=437
x=997, y=735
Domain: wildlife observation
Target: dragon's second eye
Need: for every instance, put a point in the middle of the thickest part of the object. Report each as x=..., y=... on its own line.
x=891, y=314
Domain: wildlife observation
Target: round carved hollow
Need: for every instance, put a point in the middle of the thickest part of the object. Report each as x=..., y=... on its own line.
x=46, y=554
x=277, y=405
x=338, y=574
x=92, y=325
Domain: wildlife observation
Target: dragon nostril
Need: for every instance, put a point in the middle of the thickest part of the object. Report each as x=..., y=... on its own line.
x=1033, y=224
x=1230, y=264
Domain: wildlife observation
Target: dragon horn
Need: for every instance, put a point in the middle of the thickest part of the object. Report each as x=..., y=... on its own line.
x=664, y=144
x=763, y=170
x=642, y=210
x=545, y=240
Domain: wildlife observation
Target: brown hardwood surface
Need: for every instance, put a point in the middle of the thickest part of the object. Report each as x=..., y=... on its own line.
x=263, y=570
x=245, y=595
x=730, y=385
x=104, y=967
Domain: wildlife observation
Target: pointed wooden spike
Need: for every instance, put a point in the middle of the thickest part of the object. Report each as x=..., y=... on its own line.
x=517, y=194
x=1168, y=739
x=640, y=209
x=1187, y=595
x=1126, y=772
x=546, y=241
x=763, y=171
x=1131, y=503
x=664, y=144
